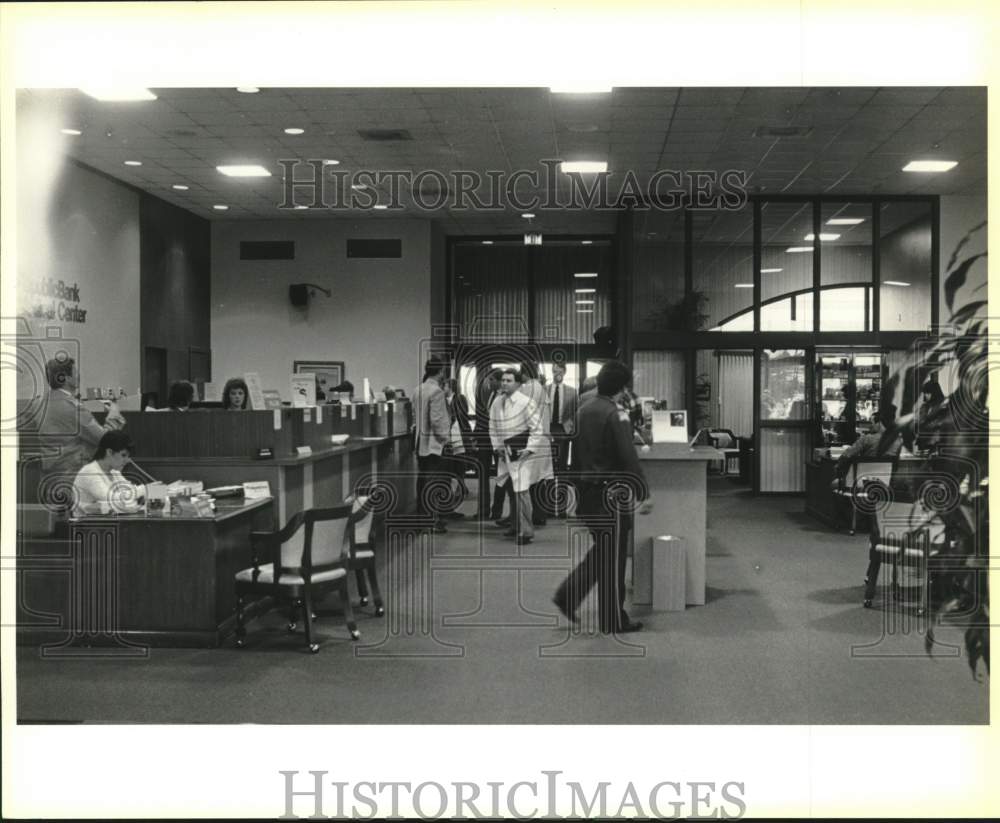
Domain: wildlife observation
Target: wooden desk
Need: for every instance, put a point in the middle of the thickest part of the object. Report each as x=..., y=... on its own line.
x=677, y=479
x=122, y=583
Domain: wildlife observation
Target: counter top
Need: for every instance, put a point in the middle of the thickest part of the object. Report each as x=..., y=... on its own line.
x=679, y=451
x=352, y=445
x=225, y=508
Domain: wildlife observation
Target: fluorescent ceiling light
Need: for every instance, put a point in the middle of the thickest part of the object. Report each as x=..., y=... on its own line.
x=583, y=166
x=247, y=89
x=244, y=171
x=795, y=249
x=300, y=207
x=72, y=132
x=527, y=215
x=585, y=302
x=358, y=186
x=179, y=187
x=380, y=206
x=845, y=221
x=895, y=283
x=585, y=291
x=581, y=88
x=584, y=311
x=743, y=285
x=823, y=236
x=331, y=162
x=220, y=207
x=117, y=95
x=133, y=162
x=295, y=131
x=586, y=242
x=487, y=242
x=770, y=271
x=586, y=274
x=930, y=165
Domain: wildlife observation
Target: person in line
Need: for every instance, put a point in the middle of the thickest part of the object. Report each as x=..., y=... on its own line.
x=100, y=487
x=432, y=428
x=516, y=432
x=67, y=431
x=458, y=414
x=539, y=467
x=235, y=394
x=604, y=455
x=562, y=402
x=181, y=395
x=486, y=393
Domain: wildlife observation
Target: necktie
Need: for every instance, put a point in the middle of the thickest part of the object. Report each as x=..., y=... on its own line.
x=555, y=405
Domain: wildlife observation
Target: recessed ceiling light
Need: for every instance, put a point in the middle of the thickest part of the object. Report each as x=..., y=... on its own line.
x=743, y=285
x=930, y=165
x=300, y=207
x=585, y=302
x=331, y=162
x=584, y=311
x=250, y=170
x=586, y=242
x=581, y=88
x=585, y=291
x=770, y=271
x=797, y=249
x=527, y=215
x=583, y=167
x=133, y=162
x=116, y=95
x=220, y=207
x=247, y=89
x=72, y=132
x=895, y=283
x=586, y=274
x=380, y=206
x=822, y=236
x=295, y=131
x=845, y=221
x=487, y=242
x=358, y=186
x=179, y=187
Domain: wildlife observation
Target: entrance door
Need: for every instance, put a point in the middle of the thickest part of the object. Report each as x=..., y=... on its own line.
x=785, y=419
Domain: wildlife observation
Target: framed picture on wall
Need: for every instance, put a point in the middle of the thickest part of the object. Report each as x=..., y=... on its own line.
x=329, y=373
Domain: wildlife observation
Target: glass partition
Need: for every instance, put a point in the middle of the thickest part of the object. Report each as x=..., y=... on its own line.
x=845, y=265
x=722, y=270
x=783, y=394
x=786, y=266
x=658, y=271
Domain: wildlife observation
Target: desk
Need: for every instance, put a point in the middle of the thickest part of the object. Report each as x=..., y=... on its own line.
x=821, y=502
x=677, y=480
x=128, y=581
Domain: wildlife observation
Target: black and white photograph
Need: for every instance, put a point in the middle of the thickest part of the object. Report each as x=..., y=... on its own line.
x=495, y=546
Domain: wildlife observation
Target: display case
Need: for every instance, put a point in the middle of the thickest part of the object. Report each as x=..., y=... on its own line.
x=849, y=388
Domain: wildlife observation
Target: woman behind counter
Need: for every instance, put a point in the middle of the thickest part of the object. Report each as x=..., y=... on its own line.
x=100, y=487
x=180, y=396
x=235, y=394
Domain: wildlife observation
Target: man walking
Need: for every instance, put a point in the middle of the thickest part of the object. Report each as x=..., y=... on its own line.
x=604, y=455
x=562, y=402
x=433, y=428
x=539, y=468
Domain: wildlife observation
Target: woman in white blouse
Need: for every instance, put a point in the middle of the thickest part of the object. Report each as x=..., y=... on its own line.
x=100, y=487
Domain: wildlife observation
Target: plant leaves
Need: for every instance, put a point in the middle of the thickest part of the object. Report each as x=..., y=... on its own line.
x=956, y=278
x=967, y=311
x=961, y=244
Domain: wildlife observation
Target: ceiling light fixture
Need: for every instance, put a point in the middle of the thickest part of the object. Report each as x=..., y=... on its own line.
x=380, y=206
x=930, y=165
x=798, y=249
x=358, y=186
x=586, y=242
x=895, y=283
x=585, y=291
x=585, y=302
x=116, y=95
x=250, y=170
x=583, y=167
x=295, y=131
x=743, y=285
x=299, y=207
x=179, y=187
x=586, y=274
x=770, y=271
x=71, y=132
x=487, y=242
x=581, y=88
x=133, y=162
x=584, y=311
x=528, y=215
x=845, y=221
x=331, y=162
x=220, y=207
x=822, y=236
x=247, y=89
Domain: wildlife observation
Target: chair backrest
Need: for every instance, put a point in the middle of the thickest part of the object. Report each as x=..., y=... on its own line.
x=880, y=470
x=327, y=536
x=908, y=523
x=363, y=526
x=293, y=548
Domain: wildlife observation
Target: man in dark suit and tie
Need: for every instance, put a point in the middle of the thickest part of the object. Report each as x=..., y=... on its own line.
x=433, y=428
x=563, y=402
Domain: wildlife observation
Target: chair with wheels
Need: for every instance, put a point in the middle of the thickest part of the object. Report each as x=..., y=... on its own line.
x=362, y=552
x=301, y=563
x=860, y=474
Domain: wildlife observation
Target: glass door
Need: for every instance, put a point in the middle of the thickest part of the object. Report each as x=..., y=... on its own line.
x=785, y=418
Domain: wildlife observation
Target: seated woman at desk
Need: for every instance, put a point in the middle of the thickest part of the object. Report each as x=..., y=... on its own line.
x=100, y=487
x=180, y=396
x=235, y=394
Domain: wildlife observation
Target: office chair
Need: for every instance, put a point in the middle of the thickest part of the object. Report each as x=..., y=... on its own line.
x=362, y=552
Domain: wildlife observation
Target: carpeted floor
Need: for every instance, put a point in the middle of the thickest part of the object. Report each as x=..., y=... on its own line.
x=782, y=639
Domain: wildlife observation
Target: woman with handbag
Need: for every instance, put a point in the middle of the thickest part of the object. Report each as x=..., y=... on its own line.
x=460, y=441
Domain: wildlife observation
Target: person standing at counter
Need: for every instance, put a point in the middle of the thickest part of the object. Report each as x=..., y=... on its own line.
x=235, y=394
x=432, y=429
x=605, y=455
x=69, y=433
x=458, y=414
x=100, y=487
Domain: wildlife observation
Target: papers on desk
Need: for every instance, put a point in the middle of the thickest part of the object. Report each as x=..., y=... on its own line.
x=256, y=490
x=185, y=488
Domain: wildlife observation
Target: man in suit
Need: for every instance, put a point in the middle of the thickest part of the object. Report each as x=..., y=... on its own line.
x=69, y=434
x=539, y=469
x=432, y=425
x=485, y=395
x=562, y=403
x=604, y=455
